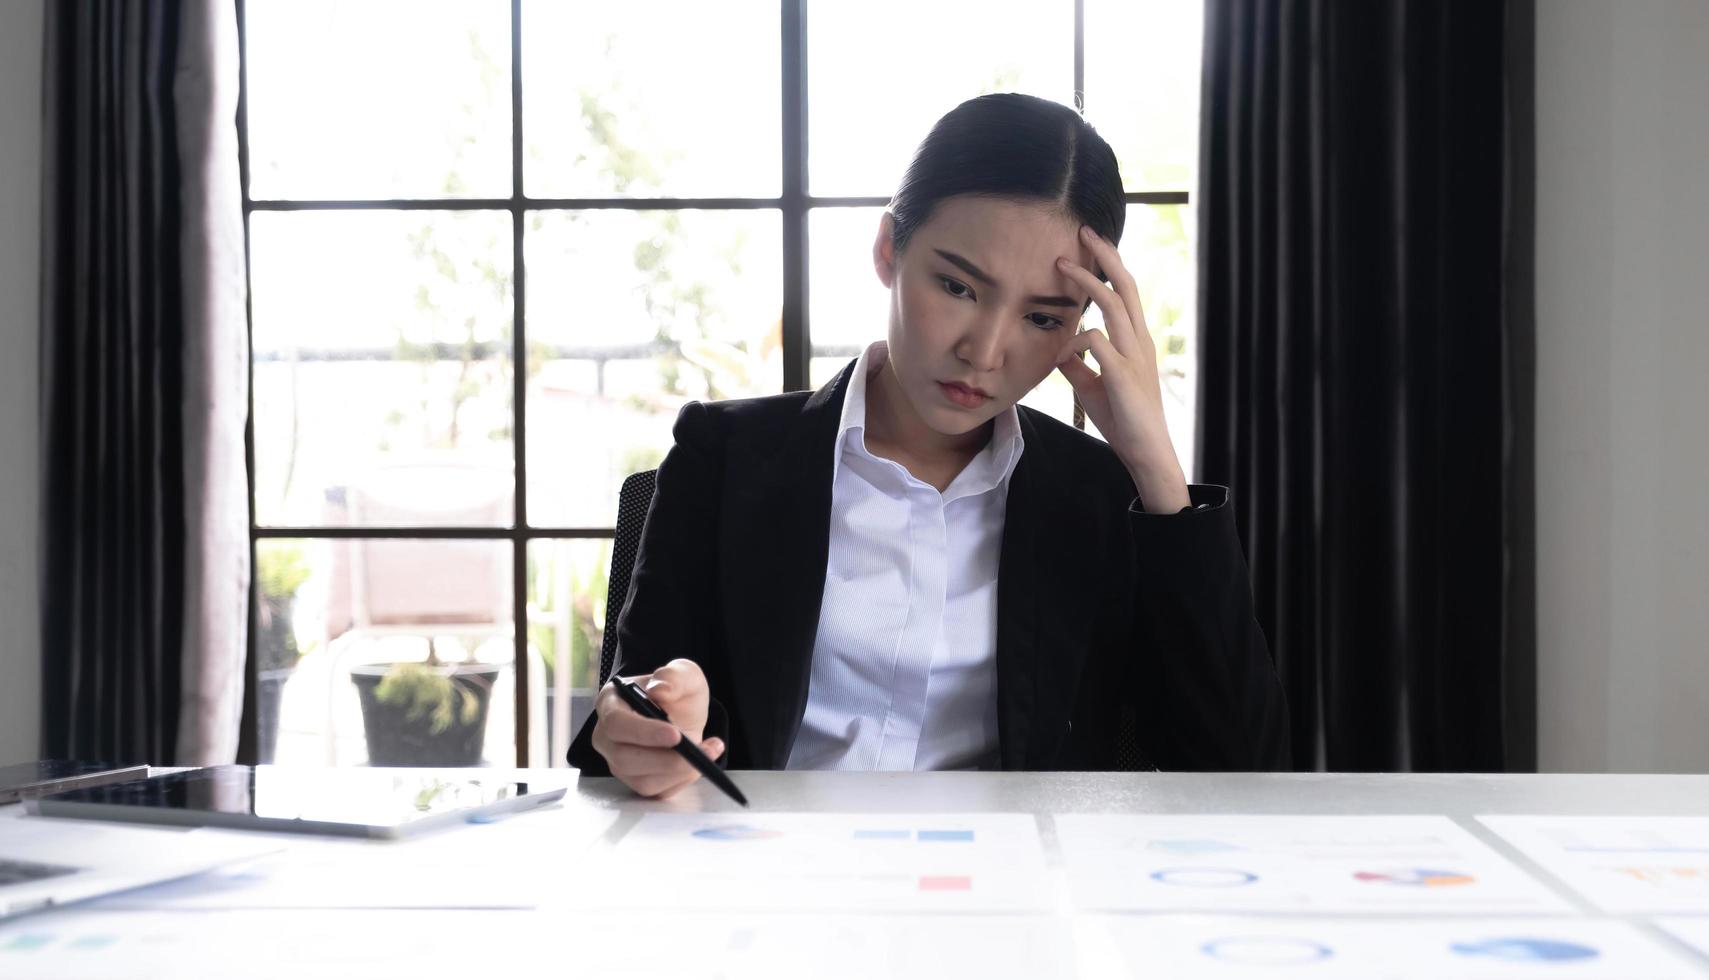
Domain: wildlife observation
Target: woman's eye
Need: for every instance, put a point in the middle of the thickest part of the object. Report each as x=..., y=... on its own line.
x=1043, y=321
x=955, y=288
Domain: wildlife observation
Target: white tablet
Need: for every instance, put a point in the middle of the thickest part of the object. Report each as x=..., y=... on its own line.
x=48, y=863
x=360, y=802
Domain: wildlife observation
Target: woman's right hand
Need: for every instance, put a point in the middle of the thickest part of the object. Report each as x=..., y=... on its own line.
x=642, y=751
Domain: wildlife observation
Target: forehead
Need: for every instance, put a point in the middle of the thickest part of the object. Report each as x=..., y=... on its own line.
x=1012, y=240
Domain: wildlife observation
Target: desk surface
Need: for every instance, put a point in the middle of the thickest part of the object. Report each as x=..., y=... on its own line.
x=526, y=909
x=1456, y=795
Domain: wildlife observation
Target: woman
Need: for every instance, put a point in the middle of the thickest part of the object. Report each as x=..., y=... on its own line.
x=905, y=570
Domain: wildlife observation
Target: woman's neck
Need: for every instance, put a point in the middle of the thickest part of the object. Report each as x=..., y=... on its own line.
x=895, y=431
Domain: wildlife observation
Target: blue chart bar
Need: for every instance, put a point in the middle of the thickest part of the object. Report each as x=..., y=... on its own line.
x=946, y=835
x=887, y=833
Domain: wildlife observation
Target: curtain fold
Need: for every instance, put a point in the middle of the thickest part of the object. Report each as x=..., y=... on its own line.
x=121, y=447
x=1363, y=366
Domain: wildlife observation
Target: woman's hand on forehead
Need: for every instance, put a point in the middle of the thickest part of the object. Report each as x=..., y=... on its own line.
x=1124, y=397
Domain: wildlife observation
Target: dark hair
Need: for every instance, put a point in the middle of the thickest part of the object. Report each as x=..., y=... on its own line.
x=1018, y=147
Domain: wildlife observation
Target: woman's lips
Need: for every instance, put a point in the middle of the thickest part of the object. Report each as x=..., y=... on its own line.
x=962, y=395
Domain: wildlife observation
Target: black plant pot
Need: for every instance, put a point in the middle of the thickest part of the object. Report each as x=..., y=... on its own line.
x=269, y=687
x=581, y=705
x=395, y=739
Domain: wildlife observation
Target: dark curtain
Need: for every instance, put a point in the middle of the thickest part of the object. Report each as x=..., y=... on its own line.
x=113, y=541
x=1365, y=349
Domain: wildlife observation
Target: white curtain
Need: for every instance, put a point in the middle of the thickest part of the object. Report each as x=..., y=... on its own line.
x=216, y=400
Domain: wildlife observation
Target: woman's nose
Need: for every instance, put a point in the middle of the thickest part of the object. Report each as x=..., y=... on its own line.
x=982, y=346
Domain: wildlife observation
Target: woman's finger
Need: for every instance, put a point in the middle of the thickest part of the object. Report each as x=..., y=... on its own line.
x=1080, y=344
x=1116, y=319
x=628, y=761
x=625, y=726
x=663, y=788
x=612, y=748
x=681, y=676
x=1078, y=373
x=1109, y=358
x=1088, y=391
x=656, y=787
x=1115, y=270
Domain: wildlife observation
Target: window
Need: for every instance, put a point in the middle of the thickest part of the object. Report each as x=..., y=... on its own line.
x=495, y=246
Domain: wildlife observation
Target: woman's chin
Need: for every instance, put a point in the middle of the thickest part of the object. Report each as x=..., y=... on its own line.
x=952, y=420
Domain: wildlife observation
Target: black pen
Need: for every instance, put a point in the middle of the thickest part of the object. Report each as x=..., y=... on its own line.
x=636, y=698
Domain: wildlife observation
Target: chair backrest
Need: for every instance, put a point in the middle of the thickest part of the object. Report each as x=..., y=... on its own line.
x=633, y=500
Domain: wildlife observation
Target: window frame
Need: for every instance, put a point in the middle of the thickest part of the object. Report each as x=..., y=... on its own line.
x=794, y=204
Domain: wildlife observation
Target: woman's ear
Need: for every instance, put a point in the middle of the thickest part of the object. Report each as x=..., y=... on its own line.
x=884, y=250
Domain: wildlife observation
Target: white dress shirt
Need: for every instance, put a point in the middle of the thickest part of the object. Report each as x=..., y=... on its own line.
x=904, y=662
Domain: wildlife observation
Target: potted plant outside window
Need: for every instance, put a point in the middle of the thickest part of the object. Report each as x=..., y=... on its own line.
x=280, y=570
x=431, y=713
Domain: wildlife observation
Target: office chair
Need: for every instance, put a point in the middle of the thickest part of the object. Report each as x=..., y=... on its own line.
x=633, y=499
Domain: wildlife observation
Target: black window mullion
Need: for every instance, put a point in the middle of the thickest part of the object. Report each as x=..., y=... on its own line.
x=528, y=203
x=615, y=203
x=797, y=334
x=519, y=396
x=464, y=533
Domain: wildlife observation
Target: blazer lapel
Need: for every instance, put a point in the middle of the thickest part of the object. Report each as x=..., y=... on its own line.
x=1041, y=630
x=779, y=523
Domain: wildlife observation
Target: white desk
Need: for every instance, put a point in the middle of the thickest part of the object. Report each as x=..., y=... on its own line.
x=198, y=926
x=1457, y=795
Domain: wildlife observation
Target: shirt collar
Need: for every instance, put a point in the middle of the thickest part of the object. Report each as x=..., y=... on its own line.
x=991, y=467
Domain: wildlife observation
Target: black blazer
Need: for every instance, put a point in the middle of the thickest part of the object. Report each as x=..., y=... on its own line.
x=1108, y=618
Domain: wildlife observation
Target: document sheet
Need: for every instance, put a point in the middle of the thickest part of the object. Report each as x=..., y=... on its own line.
x=1619, y=864
x=1476, y=948
x=1263, y=863
x=292, y=944
x=830, y=861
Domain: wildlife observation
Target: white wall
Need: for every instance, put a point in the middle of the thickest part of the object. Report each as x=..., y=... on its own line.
x=20, y=210
x=1622, y=398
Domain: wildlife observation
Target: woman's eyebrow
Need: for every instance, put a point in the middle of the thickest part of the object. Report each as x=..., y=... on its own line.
x=979, y=274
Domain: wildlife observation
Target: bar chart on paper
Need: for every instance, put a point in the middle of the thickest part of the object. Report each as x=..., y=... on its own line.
x=1251, y=863
x=840, y=862
x=1621, y=864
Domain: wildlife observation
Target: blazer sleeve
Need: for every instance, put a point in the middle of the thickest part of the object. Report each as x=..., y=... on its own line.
x=1214, y=702
x=671, y=607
